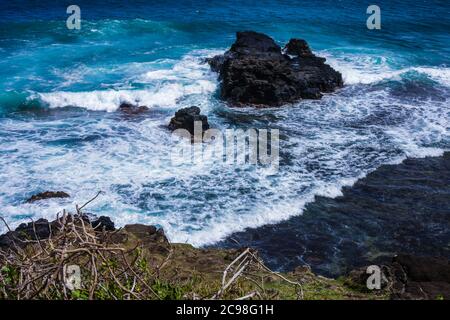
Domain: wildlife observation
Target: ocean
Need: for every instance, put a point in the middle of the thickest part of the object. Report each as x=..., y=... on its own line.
x=60, y=90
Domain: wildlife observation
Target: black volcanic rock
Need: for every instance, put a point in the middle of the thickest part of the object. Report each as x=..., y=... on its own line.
x=409, y=277
x=185, y=119
x=416, y=277
x=129, y=108
x=42, y=228
x=26, y=231
x=298, y=47
x=48, y=195
x=103, y=223
x=253, y=43
x=403, y=208
x=256, y=72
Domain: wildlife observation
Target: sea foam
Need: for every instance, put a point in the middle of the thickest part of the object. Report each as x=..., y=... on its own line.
x=163, y=87
x=365, y=69
x=325, y=145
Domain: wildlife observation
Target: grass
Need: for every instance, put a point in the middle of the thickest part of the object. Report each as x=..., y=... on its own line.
x=132, y=264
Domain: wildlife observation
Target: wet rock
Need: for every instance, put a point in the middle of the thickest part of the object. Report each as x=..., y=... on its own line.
x=402, y=208
x=129, y=108
x=48, y=195
x=185, y=119
x=103, y=223
x=256, y=72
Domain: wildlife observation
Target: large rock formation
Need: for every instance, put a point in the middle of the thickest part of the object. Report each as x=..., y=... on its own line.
x=256, y=72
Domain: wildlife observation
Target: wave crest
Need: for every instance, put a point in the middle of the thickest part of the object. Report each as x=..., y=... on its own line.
x=370, y=70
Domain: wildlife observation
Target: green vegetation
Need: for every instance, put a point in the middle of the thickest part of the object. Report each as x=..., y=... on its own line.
x=137, y=262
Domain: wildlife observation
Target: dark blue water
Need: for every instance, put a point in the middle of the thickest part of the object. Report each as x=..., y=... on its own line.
x=60, y=90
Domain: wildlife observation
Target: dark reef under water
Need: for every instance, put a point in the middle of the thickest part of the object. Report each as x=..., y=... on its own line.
x=402, y=208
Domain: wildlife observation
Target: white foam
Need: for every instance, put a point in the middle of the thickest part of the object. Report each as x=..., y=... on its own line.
x=330, y=142
x=441, y=75
x=164, y=87
x=109, y=100
x=368, y=70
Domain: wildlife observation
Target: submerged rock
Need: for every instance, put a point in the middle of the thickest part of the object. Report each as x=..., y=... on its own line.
x=48, y=195
x=256, y=72
x=129, y=108
x=185, y=119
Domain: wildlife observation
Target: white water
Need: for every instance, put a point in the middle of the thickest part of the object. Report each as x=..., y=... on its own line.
x=326, y=145
x=370, y=69
x=164, y=87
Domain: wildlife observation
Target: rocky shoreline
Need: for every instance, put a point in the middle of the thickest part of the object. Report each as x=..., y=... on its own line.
x=168, y=270
x=405, y=277
x=401, y=208
x=396, y=218
x=409, y=271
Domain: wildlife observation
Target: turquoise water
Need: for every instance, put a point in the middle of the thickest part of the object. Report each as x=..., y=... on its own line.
x=60, y=90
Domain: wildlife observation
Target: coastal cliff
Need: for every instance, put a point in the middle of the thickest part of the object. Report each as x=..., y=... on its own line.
x=138, y=262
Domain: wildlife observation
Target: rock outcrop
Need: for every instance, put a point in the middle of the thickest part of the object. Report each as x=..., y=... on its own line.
x=48, y=195
x=103, y=223
x=25, y=231
x=147, y=234
x=410, y=277
x=129, y=108
x=420, y=277
x=185, y=119
x=42, y=228
x=256, y=72
x=173, y=270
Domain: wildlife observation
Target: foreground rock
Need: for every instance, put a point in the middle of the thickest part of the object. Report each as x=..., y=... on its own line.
x=48, y=195
x=256, y=72
x=185, y=119
x=129, y=108
x=420, y=277
x=42, y=228
x=410, y=277
x=196, y=273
